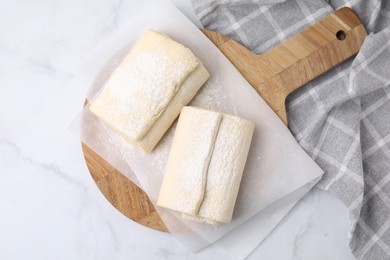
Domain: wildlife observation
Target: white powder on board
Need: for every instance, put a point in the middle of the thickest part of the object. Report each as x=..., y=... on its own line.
x=213, y=97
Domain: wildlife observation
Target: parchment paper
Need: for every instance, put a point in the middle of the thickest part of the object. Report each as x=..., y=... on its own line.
x=276, y=165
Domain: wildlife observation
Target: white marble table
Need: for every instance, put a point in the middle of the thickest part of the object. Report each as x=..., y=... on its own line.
x=50, y=206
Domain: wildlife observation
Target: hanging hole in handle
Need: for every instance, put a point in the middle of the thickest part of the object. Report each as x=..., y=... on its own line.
x=341, y=35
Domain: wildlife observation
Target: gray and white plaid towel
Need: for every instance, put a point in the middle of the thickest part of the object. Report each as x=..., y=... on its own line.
x=342, y=119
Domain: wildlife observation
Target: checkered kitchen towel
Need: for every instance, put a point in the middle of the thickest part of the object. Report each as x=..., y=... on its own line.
x=342, y=119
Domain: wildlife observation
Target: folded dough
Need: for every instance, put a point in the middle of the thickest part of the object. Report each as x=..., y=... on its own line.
x=205, y=165
x=146, y=92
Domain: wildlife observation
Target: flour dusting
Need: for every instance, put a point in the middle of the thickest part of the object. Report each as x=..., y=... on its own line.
x=141, y=88
x=212, y=96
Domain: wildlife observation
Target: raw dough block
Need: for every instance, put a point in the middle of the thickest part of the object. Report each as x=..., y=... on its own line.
x=145, y=94
x=205, y=165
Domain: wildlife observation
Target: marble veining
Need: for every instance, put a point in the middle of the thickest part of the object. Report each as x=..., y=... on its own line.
x=50, y=206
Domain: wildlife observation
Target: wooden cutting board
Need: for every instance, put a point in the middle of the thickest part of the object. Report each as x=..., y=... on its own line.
x=274, y=75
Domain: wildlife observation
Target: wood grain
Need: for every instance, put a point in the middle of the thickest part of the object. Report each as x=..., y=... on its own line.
x=274, y=75
x=300, y=59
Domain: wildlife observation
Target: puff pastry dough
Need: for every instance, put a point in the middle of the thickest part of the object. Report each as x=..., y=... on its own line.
x=146, y=92
x=205, y=165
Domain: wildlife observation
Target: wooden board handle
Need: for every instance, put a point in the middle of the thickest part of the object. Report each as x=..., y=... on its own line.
x=298, y=60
